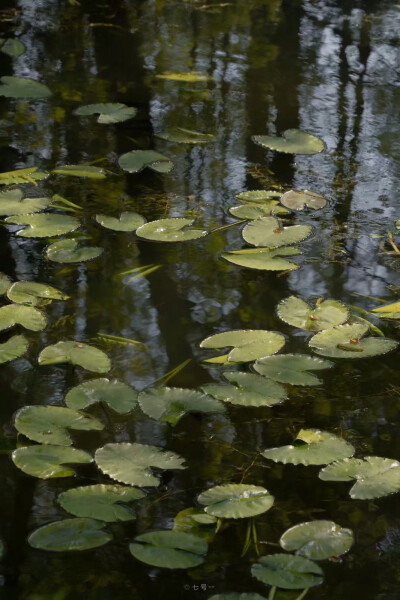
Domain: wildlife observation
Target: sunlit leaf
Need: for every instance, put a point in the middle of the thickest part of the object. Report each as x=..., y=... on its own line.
x=48, y=461
x=109, y=112
x=249, y=390
x=18, y=314
x=137, y=160
x=291, y=368
x=44, y=224
x=30, y=175
x=248, y=344
x=179, y=135
x=268, y=232
x=70, y=534
x=287, y=571
x=298, y=200
x=236, y=500
x=298, y=313
x=5, y=283
x=263, y=259
x=117, y=395
x=170, y=230
x=169, y=549
x=258, y=196
x=127, y=221
x=12, y=203
x=102, y=502
x=34, y=294
x=21, y=87
x=81, y=171
x=317, y=540
x=69, y=251
x=293, y=141
x=347, y=341
x=388, y=311
x=75, y=353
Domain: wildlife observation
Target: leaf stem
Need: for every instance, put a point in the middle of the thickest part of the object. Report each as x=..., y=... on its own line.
x=303, y=593
x=226, y=226
x=272, y=593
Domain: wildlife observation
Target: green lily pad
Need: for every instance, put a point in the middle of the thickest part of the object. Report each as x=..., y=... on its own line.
x=317, y=540
x=12, y=203
x=171, y=404
x=130, y=463
x=169, y=549
x=179, y=135
x=237, y=596
x=258, y=196
x=249, y=390
x=185, y=77
x=267, y=232
x=34, y=294
x=80, y=171
x=48, y=461
x=263, y=259
x=30, y=175
x=255, y=211
x=347, y=341
x=170, y=230
x=117, y=395
x=248, y=344
x=388, y=311
x=68, y=251
x=70, y=534
x=293, y=141
x=109, y=112
x=13, y=348
x=137, y=160
x=375, y=476
x=21, y=87
x=12, y=47
x=291, y=368
x=298, y=313
x=26, y=316
x=102, y=502
x=75, y=353
x=311, y=447
x=195, y=521
x=287, y=571
x=236, y=501
x=50, y=424
x=44, y=224
x=127, y=221
x=298, y=200
x=5, y=283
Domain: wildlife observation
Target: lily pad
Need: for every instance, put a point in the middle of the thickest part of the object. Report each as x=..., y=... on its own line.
x=48, y=461
x=171, y=404
x=5, y=283
x=298, y=313
x=291, y=368
x=44, y=224
x=81, y=171
x=347, y=341
x=248, y=344
x=102, y=502
x=298, y=200
x=169, y=549
x=249, y=390
x=255, y=211
x=375, y=476
x=127, y=221
x=267, y=232
x=50, y=424
x=311, y=447
x=137, y=160
x=68, y=251
x=195, y=521
x=130, y=463
x=388, y=311
x=293, y=141
x=26, y=316
x=317, y=540
x=185, y=77
x=170, y=230
x=75, y=353
x=34, y=294
x=13, y=348
x=12, y=203
x=258, y=196
x=236, y=501
x=179, y=135
x=30, y=175
x=21, y=87
x=109, y=112
x=287, y=571
x=70, y=534
x=117, y=395
x=12, y=47
x=263, y=259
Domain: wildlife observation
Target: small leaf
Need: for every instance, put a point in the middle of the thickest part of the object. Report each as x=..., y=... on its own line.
x=169, y=549
x=291, y=368
x=293, y=141
x=30, y=175
x=12, y=203
x=388, y=311
x=70, y=534
x=75, y=353
x=117, y=395
x=48, y=461
x=263, y=259
x=13, y=47
x=13, y=348
x=137, y=160
x=170, y=230
x=21, y=87
x=317, y=540
x=188, y=77
x=236, y=501
x=249, y=390
x=109, y=112
x=26, y=316
x=287, y=571
x=127, y=221
x=267, y=232
x=68, y=251
x=44, y=224
x=298, y=313
x=80, y=171
x=34, y=294
x=102, y=502
x=347, y=341
x=298, y=200
x=248, y=344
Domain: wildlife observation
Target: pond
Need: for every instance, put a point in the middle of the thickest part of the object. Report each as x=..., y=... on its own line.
x=141, y=457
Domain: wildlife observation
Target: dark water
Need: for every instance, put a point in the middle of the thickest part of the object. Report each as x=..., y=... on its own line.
x=328, y=67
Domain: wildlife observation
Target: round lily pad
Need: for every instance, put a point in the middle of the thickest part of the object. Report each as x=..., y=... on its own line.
x=12, y=47
x=127, y=221
x=102, y=502
x=170, y=230
x=249, y=390
x=287, y=571
x=44, y=224
x=268, y=232
x=34, y=294
x=70, y=534
x=13, y=348
x=236, y=501
x=298, y=200
x=169, y=549
x=109, y=112
x=317, y=540
x=19, y=314
x=248, y=344
x=12, y=202
x=76, y=353
x=291, y=368
x=263, y=259
x=117, y=395
x=298, y=313
x=22, y=87
x=68, y=251
x=48, y=461
x=137, y=160
x=347, y=341
x=293, y=141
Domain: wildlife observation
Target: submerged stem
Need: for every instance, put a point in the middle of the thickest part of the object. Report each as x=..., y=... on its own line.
x=303, y=593
x=247, y=540
x=272, y=593
x=229, y=225
x=255, y=537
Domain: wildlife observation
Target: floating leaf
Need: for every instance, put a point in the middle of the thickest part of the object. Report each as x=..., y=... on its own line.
x=117, y=395
x=291, y=368
x=298, y=200
x=81, y=171
x=12, y=47
x=258, y=196
x=68, y=251
x=30, y=175
x=179, y=135
x=317, y=540
x=169, y=230
x=388, y=311
x=171, y=404
x=255, y=211
x=267, y=232
x=13, y=348
x=127, y=221
x=375, y=476
x=44, y=224
x=21, y=87
x=188, y=77
x=34, y=294
x=293, y=141
x=263, y=259
x=298, y=313
x=50, y=424
x=70, y=534
x=195, y=521
x=75, y=353
x=287, y=571
x=130, y=463
x=12, y=203
x=137, y=160
x=109, y=112
x=250, y=390
x=169, y=549
x=26, y=316
x=5, y=283
x=311, y=447
x=248, y=344
x=236, y=501
x=101, y=502
x=48, y=461
x=346, y=341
